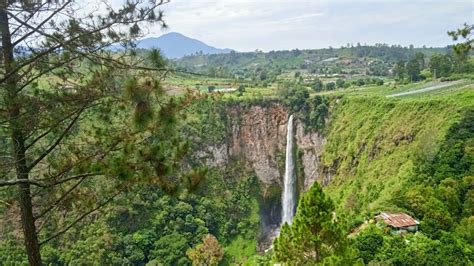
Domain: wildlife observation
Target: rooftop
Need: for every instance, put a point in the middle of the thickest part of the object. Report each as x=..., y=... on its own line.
x=397, y=220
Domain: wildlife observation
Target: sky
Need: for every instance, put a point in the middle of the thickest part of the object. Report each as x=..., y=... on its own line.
x=246, y=25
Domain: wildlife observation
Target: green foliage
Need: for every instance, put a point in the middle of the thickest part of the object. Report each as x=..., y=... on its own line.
x=375, y=60
x=209, y=252
x=205, y=120
x=440, y=65
x=456, y=155
x=360, y=82
x=156, y=59
x=413, y=69
x=368, y=243
x=12, y=253
x=239, y=251
x=463, y=48
x=399, y=70
x=155, y=227
x=465, y=229
x=318, y=85
x=313, y=111
x=340, y=83
x=169, y=249
x=379, y=82
x=376, y=147
x=315, y=235
x=330, y=86
x=434, y=177
x=414, y=249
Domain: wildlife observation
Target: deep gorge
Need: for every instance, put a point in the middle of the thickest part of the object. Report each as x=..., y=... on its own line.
x=362, y=151
x=366, y=153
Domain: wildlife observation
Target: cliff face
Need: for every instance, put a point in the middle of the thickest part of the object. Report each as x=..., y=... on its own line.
x=257, y=137
x=311, y=145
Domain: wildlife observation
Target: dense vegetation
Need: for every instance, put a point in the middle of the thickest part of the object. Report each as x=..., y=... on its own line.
x=316, y=235
x=405, y=163
x=155, y=223
x=266, y=66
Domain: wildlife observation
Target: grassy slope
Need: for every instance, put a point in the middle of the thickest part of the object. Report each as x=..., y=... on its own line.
x=377, y=141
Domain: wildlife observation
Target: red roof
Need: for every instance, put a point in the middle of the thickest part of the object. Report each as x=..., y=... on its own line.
x=397, y=220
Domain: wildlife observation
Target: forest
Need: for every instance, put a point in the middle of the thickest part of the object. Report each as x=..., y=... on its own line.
x=123, y=157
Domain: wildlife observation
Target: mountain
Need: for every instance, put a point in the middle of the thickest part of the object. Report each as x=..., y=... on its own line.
x=176, y=45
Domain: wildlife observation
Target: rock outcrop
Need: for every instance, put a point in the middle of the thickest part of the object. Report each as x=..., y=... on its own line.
x=257, y=137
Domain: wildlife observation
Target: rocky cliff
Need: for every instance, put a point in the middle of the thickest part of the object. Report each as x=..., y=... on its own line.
x=257, y=137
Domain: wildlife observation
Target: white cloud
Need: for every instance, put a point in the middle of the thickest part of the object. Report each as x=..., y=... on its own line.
x=246, y=25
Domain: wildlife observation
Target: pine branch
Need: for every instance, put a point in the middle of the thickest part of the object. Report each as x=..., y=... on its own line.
x=58, y=140
x=66, y=43
x=73, y=178
x=38, y=9
x=51, y=128
x=60, y=198
x=20, y=181
x=36, y=29
x=80, y=218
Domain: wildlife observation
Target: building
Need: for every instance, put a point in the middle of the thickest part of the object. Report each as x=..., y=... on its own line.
x=399, y=222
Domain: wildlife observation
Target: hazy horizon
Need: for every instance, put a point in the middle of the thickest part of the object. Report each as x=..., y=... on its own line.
x=311, y=48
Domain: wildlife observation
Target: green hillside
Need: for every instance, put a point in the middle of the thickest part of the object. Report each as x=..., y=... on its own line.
x=375, y=145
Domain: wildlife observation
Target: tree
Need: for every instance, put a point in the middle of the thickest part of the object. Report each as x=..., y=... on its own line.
x=211, y=88
x=436, y=218
x=399, y=70
x=463, y=48
x=318, y=85
x=59, y=89
x=440, y=65
x=169, y=249
x=465, y=33
x=340, y=83
x=413, y=69
x=330, y=86
x=420, y=57
x=316, y=235
x=360, y=82
x=208, y=253
x=240, y=90
x=368, y=243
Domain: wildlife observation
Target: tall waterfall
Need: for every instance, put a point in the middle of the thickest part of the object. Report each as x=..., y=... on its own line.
x=288, y=197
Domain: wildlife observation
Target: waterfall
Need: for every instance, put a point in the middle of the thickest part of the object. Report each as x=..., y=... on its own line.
x=288, y=196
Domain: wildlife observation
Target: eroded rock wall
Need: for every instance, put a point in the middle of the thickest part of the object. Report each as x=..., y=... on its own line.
x=257, y=137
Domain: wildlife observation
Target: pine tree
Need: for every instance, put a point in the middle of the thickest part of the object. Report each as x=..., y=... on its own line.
x=63, y=113
x=315, y=236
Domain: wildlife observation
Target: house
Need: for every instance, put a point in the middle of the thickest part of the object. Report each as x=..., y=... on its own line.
x=399, y=222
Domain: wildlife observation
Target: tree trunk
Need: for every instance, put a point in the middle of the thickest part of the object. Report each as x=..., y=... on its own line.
x=13, y=105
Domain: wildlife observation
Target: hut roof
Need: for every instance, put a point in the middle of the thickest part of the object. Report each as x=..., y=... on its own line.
x=397, y=220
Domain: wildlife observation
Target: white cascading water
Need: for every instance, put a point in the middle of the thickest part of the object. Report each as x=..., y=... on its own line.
x=288, y=197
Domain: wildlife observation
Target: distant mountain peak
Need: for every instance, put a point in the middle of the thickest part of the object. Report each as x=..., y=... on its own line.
x=176, y=45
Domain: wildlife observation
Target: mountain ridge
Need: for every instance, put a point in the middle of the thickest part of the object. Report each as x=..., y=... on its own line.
x=175, y=45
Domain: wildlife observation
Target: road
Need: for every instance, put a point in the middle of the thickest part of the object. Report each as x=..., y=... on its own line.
x=428, y=88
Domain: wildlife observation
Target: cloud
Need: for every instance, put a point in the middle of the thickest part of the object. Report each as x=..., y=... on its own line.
x=271, y=25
